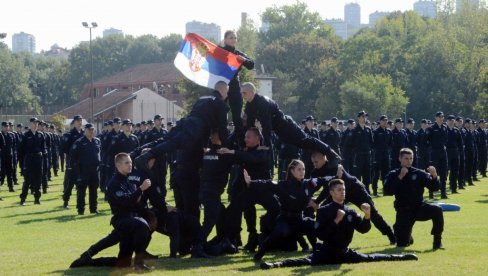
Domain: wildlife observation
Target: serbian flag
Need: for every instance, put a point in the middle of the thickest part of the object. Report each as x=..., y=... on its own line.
x=205, y=63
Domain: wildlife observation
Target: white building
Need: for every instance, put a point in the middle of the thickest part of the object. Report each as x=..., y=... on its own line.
x=376, y=16
x=111, y=31
x=426, y=8
x=352, y=15
x=23, y=42
x=340, y=27
x=209, y=31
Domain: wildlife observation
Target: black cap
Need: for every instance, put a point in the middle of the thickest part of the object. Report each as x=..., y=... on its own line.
x=310, y=118
x=410, y=121
x=383, y=117
x=229, y=124
x=138, y=124
x=482, y=121
x=20, y=125
x=51, y=126
x=126, y=122
x=323, y=123
x=451, y=117
x=5, y=124
x=10, y=124
x=468, y=120
x=158, y=117
x=351, y=121
x=77, y=117
x=89, y=126
x=169, y=124
x=105, y=124
x=389, y=122
x=334, y=120
x=439, y=113
x=429, y=122
x=423, y=121
x=110, y=123
x=26, y=127
x=398, y=120
x=117, y=120
x=340, y=122
x=41, y=122
x=33, y=120
x=143, y=123
x=150, y=122
x=362, y=113
x=303, y=122
x=459, y=118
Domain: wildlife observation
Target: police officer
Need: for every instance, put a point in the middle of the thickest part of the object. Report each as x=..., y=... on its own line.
x=45, y=156
x=407, y=185
x=307, y=154
x=436, y=137
x=114, y=130
x=61, y=153
x=462, y=154
x=190, y=135
x=160, y=166
x=347, y=146
x=382, y=146
x=71, y=175
x=30, y=150
x=15, y=157
x=423, y=157
x=469, y=152
x=362, y=142
x=142, y=132
x=85, y=154
x=124, y=199
x=335, y=226
x=7, y=156
x=482, y=147
x=55, y=149
x=453, y=146
x=412, y=138
x=400, y=141
x=20, y=134
x=124, y=141
x=474, y=170
x=271, y=118
x=332, y=136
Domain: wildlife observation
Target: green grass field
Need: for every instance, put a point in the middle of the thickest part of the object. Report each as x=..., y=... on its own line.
x=45, y=239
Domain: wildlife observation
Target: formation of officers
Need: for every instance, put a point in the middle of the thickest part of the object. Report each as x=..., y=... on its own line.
x=205, y=154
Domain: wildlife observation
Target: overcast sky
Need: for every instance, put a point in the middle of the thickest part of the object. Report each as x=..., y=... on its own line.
x=59, y=21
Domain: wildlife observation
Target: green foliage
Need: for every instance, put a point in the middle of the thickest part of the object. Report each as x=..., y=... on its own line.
x=58, y=120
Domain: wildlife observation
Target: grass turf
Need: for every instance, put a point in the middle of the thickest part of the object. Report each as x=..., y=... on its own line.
x=45, y=239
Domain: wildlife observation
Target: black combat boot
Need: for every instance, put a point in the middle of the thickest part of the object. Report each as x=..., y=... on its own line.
x=139, y=264
x=252, y=242
x=437, y=242
x=198, y=252
x=265, y=265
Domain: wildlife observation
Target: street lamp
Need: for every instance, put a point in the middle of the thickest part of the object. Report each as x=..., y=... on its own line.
x=93, y=25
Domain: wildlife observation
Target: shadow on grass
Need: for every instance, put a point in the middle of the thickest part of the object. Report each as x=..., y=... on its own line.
x=482, y=201
x=94, y=271
x=64, y=218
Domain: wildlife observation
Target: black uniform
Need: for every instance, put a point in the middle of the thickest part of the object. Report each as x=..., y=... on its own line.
x=235, y=97
x=71, y=174
x=30, y=150
x=332, y=137
x=469, y=151
x=382, y=146
x=356, y=194
x=85, y=156
x=462, y=160
x=108, y=163
x=362, y=142
x=400, y=141
x=347, y=150
x=412, y=144
x=410, y=205
x=482, y=151
x=18, y=139
x=337, y=238
x=437, y=139
x=121, y=143
x=266, y=111
x=287, y=152
x=190, y=135
x=423, y=156
x=307, y=154
x=159, y=170
x=7, y=159
x=454, y=147
x=56, y=141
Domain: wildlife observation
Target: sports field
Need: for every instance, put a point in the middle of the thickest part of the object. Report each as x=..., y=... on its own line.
x=45, y=239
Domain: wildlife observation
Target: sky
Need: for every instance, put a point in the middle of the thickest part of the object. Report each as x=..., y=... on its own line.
x=59, y=21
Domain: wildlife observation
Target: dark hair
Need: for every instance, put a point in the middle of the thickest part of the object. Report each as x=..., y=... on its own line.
x=405, y=151
x=334, y=182
x=255, y=130
x=229, y=32
x=121, y=156
x=293, y=164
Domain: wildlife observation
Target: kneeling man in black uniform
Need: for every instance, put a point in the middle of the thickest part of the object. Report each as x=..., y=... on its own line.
x=335, y=226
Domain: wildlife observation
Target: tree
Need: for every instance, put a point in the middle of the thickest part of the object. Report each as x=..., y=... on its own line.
x=374, y=93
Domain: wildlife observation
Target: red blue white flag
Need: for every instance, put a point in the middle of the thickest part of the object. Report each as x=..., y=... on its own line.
x=205, y=63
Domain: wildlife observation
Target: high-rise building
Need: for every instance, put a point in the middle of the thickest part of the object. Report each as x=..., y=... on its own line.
x=426, y=8
x=352, y=14
x=461, y=4
x=111, y=31
x=376, y=16
x=340, y=27
x=209, y=31
x=23, y=42
x=244, y=16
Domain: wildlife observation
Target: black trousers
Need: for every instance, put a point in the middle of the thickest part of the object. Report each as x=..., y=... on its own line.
x=362, y=168
x=55, y=162
x=134, y=237
x=7, y=170
x=45, y=171
x=406, y=219
x=438, y=159
x=70, y=179
x=423, y=158
x=235, y=104
x=482, y=163
x=469, y=165
x=348, y=160
x=213, y=209
x=462, y=169
x=381, y=167
x=188, y=179
x=89, y=179
x=32, y=176
x=453, y=161
x=159, y=171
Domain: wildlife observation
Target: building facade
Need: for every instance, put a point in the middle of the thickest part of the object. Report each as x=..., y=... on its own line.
x=352, y=15
x=210, y=31
x=23, y=42
x=426, y=8
x=112, y=31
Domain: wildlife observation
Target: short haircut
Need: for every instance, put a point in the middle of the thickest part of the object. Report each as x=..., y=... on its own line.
x=229, y=32
x=405, y=151
x=317, y=153
x=121, y=156
x=219, y=84
x=250, y=86
x=255, y=130
x=335, y=182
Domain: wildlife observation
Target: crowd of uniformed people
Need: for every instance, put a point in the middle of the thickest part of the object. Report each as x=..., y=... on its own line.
x=319, y=171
